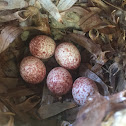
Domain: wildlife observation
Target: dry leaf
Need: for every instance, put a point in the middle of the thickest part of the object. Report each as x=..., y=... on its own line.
x=3, y=88
x=13, y=4
x=49, y=6
x=6, y=119
x=18, y=92
x=101, y=4
x=65, y=4
x=46, y=111
x=10, y=122
x=12, y=16
x=47, y=98
x=29, y=104
x=9, y=82
x=8, y=35
x=90, y=21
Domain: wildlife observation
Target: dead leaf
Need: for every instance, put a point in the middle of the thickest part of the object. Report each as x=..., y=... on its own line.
x=3, y=88
x=14, y=4
x=46, y=111
x=8, y=35
x=90, y=21
x=47, y=98
x=101, y=4
x=10, y=68
x=6, y=119
x=28, y=104
x=11, y=121
x=65, y=5
x=12, y=16
x=18, y=92
x=9, y=82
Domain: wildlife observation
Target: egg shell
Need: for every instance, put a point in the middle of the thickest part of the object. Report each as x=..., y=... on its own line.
x=32, y=70
x=67, y=55
x=59, y=81
x=42, y=47
x=83, y=88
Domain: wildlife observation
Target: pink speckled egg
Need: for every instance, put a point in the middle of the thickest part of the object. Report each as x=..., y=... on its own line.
x=32, y=70
x=67, y=55
x=59, y=81
x=83, y=88
x=42, y=47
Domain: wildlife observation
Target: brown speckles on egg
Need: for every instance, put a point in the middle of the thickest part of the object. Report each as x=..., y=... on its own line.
x=67, y=55
x=32, y=70
x=82, y=88
x=59, y=81
x=42, y=47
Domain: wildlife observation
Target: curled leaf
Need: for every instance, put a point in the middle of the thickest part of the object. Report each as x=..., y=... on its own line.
x=51, y=8
x=29, y=104
x=8, y=35
x=12, y=16
x=6, y=119
x=46, y=111
x=13, y=4
x=65, y=4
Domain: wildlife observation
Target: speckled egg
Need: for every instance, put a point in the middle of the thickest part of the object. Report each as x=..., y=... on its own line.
x=59, y=81
x=32, y=70
x=83, y=88
x=42, y=47
x=67, y=55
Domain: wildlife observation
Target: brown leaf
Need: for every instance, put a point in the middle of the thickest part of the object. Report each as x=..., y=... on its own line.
x=3, y=88
x=41, y=23
x=10, y=122
x=29, y=104
x=47, y=98
x=89, y=18
x=11, y=17
x=8, y=35
x=101, y=4
x=9, y=82
x=18, y=92
x=6, y=119
x=46, y=111
x=90, y=21
x=3, y=108
x=13, y=4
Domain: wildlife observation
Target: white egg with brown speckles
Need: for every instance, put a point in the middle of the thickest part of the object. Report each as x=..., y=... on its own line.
x=42, y=47
x=32, y=70
x=83, y=88
x=59, y=81
x=67, y=55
